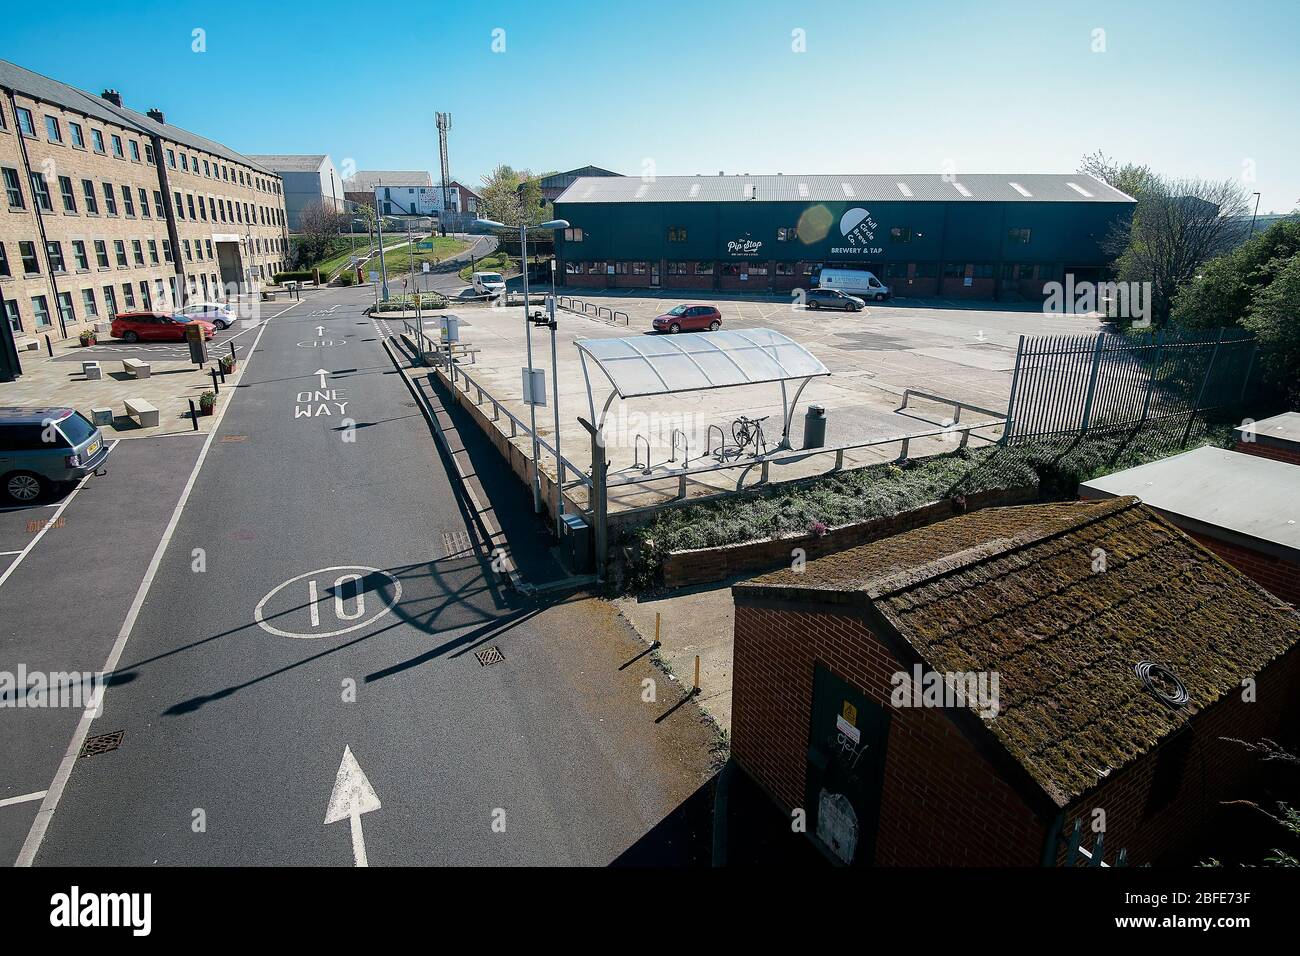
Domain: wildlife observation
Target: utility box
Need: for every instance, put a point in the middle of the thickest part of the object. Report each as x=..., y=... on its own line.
x=814, y=427
x=198, y=347
x=450, y=328
x=576, y=546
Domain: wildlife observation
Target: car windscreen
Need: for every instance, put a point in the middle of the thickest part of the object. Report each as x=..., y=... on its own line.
x=680, y=310
x=77, y=428
x=491, y=277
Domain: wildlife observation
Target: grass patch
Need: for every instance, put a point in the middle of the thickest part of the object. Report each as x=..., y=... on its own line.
x=1057, y=466
x=495, y=262
x=399, y=261
x=340, y=250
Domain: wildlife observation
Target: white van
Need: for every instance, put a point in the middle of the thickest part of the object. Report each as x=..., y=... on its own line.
x=488, y=283
x=857, y=282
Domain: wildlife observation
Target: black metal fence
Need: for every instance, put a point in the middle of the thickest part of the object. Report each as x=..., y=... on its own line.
x=1073, y=384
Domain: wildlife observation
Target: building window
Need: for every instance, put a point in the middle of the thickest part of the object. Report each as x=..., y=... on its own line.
x=52, y=130
x=153, y=251
x=954, y=270
x=896, y=270
x=167, y=250
x=758, y=268
x=171, y=159
x=785, y=268
x=110, y=202
x=925, y=270
x=41, y=310
x=89, y=304
x=13, y=189
x=117, y=147
x=78, y=137
x=158, y=204
x=97, y=140
x=4, y=262
x=110, y=300
x=66, y=313
x=148, y=153
x=787, y=234
x=185, y=246
x=982, y=270
x=119, y=250
x=573, y=235
x=704, y=268
x=128, y=204
x=189, y=201
x=638, y=268
x=31, y=265
x=79, y=255
x=101, y=253
x=676, y=233
x=128, y=295
x=25, y=122
x=595, y=268
x=733, y=269
x=573, y=268
x=67, y=195
x=137, y=251
x=11, y=306
x=41, y=192
x=144, y=201
x=185, y=162
x=900, y=234
x=135, y=151
x=678, y=268
x=88, y=193
x=1018, y=235
x=1027, y=271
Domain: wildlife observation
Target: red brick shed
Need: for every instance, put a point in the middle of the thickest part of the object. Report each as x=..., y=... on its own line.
x=1064, y=604
x=1277, y=437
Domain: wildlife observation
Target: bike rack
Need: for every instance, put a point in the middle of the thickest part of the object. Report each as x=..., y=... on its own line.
x=636, y=445
x=686, y=448
x=708, y=440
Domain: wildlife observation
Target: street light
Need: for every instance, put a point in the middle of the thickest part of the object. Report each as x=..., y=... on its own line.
x=1253, y=215
x=552, y=225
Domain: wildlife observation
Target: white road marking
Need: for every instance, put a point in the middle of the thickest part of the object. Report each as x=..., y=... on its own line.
x=259, y=612
x=352, y=796
x=322, y=373
x=5, y=554
x=51, y=522
x=27, y=855
x=25, y=798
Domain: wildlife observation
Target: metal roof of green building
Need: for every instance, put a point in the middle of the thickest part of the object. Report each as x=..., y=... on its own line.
x=981, y=187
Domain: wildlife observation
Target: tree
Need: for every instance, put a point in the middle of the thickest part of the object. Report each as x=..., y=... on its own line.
x=1177, y=226
x=1128, y=178
x=318, y=223
x=500, y=198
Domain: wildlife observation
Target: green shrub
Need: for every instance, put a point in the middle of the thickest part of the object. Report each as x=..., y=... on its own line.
x=408, y=302
x=346, y=278
x=302, y=275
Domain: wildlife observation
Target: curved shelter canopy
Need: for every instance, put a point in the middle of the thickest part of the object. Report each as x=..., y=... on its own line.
x=662, y=364
x=642, y=365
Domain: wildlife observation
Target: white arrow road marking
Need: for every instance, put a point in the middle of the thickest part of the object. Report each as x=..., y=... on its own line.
x=352, y=796
x=320, y=330
x=322, y=373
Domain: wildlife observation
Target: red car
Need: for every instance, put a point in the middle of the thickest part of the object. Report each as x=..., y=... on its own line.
x=155, y=327
x=689, y=318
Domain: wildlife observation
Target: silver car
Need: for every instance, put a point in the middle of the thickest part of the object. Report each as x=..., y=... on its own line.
x=44, y=447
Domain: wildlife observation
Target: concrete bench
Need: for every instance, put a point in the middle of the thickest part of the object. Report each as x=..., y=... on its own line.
x=136, y=368
x=146, y=412
x=91, y=370
x=101, y=415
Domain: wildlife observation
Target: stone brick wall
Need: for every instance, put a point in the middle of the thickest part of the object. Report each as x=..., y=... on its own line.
x=1262, y=450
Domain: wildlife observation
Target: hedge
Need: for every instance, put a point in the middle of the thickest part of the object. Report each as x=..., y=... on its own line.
x=303, y=275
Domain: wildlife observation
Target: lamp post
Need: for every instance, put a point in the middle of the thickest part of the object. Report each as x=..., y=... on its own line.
x=1253, y=215
x=528, y=337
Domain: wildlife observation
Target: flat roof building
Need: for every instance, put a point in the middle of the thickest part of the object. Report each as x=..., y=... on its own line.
x=110, y=209
x=1277, y=437
x=308, y=181
x=970, y=236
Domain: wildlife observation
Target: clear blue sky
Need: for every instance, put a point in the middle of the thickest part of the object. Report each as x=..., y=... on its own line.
x=1191, y=88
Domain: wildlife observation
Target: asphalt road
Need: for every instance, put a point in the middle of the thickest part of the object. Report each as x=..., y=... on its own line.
x=321, y=593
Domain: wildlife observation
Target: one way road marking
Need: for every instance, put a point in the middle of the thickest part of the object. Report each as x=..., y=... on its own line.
x=351, y=797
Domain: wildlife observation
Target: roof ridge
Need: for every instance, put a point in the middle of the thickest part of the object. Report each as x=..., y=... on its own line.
x=917, y=575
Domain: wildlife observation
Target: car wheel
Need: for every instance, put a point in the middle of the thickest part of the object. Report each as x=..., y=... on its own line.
x=855, y=308
x=880, y=297
x=23, y=487
x=221, y=324
x=715, y=325
x=814, y=306
x=129, y=336
x=675, y=328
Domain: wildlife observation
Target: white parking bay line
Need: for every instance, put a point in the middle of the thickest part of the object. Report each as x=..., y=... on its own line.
x=52, y=521
x=27, y=855
x=25, y=798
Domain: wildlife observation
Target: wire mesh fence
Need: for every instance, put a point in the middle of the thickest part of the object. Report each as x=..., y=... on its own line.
x=1073, y=384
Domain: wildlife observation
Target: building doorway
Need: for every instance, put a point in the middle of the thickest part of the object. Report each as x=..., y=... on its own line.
x=230, y=261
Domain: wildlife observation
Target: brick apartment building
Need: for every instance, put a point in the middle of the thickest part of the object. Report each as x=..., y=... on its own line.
x=106, y=209
x=1243, y=507
x=822, y=656
x=971, y=237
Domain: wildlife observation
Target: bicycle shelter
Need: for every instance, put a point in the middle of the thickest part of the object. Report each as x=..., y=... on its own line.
x=647, y=365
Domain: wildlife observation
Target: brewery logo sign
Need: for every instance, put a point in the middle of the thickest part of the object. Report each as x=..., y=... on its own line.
x=859, y=230
x=744, y=247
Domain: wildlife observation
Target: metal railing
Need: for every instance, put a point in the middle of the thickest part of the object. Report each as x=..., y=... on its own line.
x=957, y=404
x=603, y=312
x=793, y=456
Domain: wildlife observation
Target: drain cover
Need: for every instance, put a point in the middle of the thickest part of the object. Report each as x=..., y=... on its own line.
x=101, y=744
x=456, y=543
x=490, y=655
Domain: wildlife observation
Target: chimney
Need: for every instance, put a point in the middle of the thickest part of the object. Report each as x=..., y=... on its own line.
x=113, y=96
x=156, y=115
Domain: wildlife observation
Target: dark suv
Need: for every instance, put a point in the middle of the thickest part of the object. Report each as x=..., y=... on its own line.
x=42, y=447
